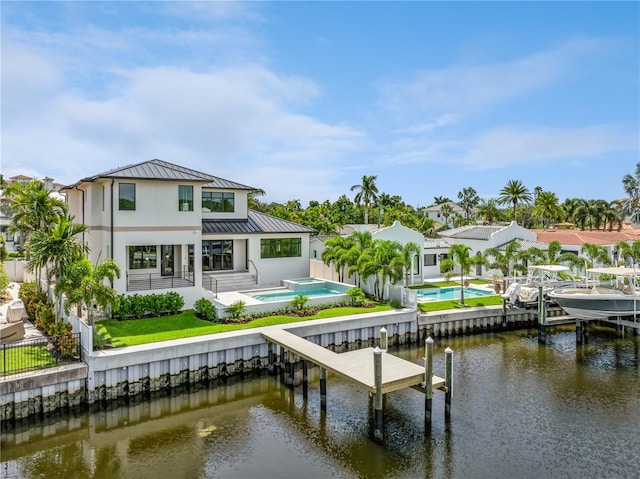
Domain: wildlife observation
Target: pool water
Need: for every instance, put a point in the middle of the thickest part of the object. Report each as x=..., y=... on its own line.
x=453, y=292
x=288, y=294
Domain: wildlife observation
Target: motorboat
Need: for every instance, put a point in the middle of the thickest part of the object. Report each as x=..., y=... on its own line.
x=547, y=276
x=620, y=299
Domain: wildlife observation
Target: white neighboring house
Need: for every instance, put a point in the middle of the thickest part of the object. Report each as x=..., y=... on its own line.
x=482, y=237
x=174, y=228
x=435, y=212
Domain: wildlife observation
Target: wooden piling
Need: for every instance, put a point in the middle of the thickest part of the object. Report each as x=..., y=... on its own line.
x=542, y=318
x=323, y=389
x=579, y=335
x=271, y=359
x=377, y=400
x=428, y=379
x=383, y=339
x=448, y=381
x=305, y=378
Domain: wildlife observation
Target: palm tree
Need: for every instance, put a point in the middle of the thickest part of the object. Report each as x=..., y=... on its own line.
x=361, y=240
x=254, y=203
x=488, y=210
x=631, y=205
x=85, y=284
x=440, y=200
x=595, y=253
x=459, y=253
x=446, y=211
x=546, y=207
x=589, y=212
x=389, y=261
x=367, y=194
x=468, y=200
x=336, y=253
x=629, y=252
x=33, y=208
x=514, y=192
x=409, y=251
x=505, y=262
x=612, y=215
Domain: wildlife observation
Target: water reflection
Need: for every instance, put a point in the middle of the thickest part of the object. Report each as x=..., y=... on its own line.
x=520, y=410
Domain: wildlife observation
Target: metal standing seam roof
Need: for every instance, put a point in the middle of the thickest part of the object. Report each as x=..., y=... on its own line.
x=471, y=232
x=256, y=223
x=525, y=245
x=163, y=170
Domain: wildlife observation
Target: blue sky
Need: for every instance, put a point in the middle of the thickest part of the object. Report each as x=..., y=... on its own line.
x=302, y=99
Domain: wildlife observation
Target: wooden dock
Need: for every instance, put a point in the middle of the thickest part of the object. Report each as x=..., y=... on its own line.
x=397, y=373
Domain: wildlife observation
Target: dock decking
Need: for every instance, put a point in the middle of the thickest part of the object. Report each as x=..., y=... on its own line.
x=358, y=366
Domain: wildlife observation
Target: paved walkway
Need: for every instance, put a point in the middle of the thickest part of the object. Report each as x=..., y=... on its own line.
x=30, y=331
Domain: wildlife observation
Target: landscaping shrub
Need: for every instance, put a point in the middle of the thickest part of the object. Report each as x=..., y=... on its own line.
x=31, y=298
x=205, y=309
x=137, y=306
x=175, y=302
x=357, y=296
x=299, y=301
x=236, y=310
x=4, y=278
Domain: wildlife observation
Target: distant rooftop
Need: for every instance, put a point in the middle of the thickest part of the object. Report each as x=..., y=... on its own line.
x=473, y=232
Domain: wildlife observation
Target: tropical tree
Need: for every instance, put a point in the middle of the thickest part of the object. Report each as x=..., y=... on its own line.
x=360, y=241
x=408, y=252
x=86, y=284
x=589, y=213
x=612, y=215
x=440, y=200
x=630, y=252
x=459, y=253
x=336, y=254
x=631, y=205
x=254, y=203
x=390, y=262
x=446, y=211
x=488, y=210
x=367, y=194
x=513, y=193
x=546, y=208
x=34, y=208
x=468, y=201
x=595, y=253
x=504, y=261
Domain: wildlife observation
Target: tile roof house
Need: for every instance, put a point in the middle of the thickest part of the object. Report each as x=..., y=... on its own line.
x=173, y=227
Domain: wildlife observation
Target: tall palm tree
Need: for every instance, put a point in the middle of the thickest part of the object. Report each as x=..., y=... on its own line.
x=506, y=261
x=336, y=253
x=446, y=211
x=367, y=194
x=468, y=200
x=612, y=215
x=408, y=252
x=90, y=285
x=254, y=203
x=488, y=210
x=547, y=208
x=440, y=200
x=631, y=185
x=360, y=241
x=513, y=193
x=33, y=208
x=589, y=213
x=390, y=262
x=459, y=253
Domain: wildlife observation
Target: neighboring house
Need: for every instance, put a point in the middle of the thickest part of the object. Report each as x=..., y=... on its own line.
x=173, y=227
x=482, y=237
x=572, y=240
x=435, y=212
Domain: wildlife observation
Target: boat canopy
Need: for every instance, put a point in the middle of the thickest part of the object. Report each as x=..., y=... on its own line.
x=555, y=268
x=614, y=270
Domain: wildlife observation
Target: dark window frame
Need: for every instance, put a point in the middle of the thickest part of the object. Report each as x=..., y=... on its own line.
x=123, y=197
x=280, y=248
x=219, y=201
x=185, y=197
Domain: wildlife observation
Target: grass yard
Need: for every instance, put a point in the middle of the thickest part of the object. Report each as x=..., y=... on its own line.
x=18, y=359
x=455, y=303
x=446, y=284
x=187, y=325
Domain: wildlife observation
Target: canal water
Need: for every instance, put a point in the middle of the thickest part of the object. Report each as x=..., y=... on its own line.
x=520, y=410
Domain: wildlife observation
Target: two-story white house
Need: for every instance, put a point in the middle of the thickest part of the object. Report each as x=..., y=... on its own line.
x=174, y=228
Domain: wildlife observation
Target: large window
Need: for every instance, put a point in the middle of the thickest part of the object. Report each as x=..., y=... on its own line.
x=217, y=254
x=143, y=257
x=218, y=202
x=280, y=248
x=430, y=260
x=127, y=198
x=185, y=198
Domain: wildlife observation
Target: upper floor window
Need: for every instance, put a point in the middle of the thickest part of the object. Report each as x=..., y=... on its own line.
x=185, y=198
x=127, y=198
x=218, y=201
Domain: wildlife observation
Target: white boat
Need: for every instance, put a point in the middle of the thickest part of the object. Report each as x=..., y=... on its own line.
x=622, y=299
x=549, y=276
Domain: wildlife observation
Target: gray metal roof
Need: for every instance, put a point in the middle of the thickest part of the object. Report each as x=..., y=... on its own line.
x=256, y=223
x=525, y=245
x=474, y=232
x=163, y=170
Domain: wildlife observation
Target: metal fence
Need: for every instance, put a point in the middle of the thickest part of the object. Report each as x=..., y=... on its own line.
x=34, y=354
x=147, y=281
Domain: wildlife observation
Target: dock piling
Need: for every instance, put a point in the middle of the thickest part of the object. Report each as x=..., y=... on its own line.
x=428, y=380
x=383, y=339
x=542, y=318
x=377, y=400
x=323, y=389
x=448, y=381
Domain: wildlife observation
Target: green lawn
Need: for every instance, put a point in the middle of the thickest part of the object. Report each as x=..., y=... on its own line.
x=187, y=325
x=455, y=303
x=15, y=360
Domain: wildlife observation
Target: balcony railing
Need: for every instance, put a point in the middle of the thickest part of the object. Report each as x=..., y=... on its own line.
x=146, y=281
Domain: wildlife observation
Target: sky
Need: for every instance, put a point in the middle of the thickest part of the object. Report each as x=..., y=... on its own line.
x=303, y=99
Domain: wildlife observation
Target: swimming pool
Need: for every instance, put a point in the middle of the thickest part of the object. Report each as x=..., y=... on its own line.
x=288, y=294
x=453, y=292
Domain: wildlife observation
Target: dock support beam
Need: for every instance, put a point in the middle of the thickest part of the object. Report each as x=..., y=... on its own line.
x=428, y=384
x=377, y=400
x=383, y=339
x=305, y=378
x=448, y=382
x=579, y=334
x=542, y=318
x=323, y=389
x=271, y=360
